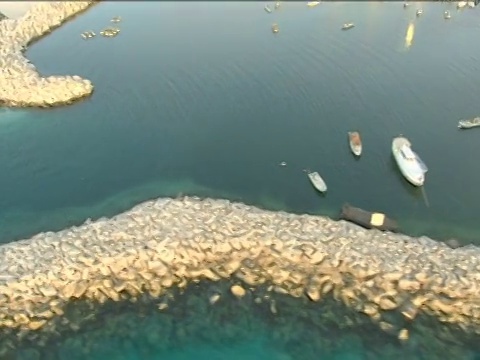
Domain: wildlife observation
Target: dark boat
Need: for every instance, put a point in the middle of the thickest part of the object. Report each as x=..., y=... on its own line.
x=368, y=219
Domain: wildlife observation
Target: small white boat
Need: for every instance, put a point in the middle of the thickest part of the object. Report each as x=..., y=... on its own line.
x=277, y=5
x=405, y=4
x=348, y=26
x=409, y=163
x=313, y=3
x=419, y=12
x=267, y=9
x=447, y=15
x=468, y=124
x=461, y=4
x=355, y=142
x=275, y=28
x=317, y=181
x=471, y=4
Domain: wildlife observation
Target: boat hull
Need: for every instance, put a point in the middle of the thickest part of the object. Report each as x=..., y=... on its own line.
x=355, y=146
x=368, y=219
x=317, y=182
x=469, y=124
x=411, y=170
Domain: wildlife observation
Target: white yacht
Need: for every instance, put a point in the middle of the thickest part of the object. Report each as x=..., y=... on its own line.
x=468, y=124
x=410, y=164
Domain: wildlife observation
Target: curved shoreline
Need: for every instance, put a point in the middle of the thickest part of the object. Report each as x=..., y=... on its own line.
x=168, y=243
x=22, y=85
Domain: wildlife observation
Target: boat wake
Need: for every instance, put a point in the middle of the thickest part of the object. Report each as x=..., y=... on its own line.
x=425, y=198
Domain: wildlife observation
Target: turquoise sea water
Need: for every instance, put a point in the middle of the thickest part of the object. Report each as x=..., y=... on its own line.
x=239, y=329
x=201, y=98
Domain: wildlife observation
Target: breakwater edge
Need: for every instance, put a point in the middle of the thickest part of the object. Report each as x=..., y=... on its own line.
x=22, y=85
x=168, y=244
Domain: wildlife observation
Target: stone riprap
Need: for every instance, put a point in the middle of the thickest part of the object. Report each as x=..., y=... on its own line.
x=170, y=243
x=20, y=83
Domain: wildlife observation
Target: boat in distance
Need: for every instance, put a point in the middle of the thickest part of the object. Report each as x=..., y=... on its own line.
x=317, y=181
x=348, y=26
x=355, y=142
x=313, y=3
x=468, y=124
x=409, y=163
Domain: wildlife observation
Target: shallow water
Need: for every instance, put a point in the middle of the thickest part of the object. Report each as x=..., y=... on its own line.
x=202, y=99
x=192, y=328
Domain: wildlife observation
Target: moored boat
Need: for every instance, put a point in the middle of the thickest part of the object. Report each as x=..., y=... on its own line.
x=368, y=219
x=471, y=4
x=470, y=123
x=419, y=12
x=409, y=163
x=348, y=26
x=277, y=5
x=447, y=15
x=461, y=4
x=275, y=28
x=267, y=9
x=87, y=35
x=313, y=3
x=317, y=181
x=355, y=142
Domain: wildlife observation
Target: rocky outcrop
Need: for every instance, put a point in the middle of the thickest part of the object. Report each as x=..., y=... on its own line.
x=22, y=85
x=167, y=243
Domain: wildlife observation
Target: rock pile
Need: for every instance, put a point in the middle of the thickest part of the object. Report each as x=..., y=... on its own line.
x=21, y=84
x=170, y=243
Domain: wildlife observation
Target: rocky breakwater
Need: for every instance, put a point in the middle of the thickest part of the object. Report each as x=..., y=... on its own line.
x=20, y=83
x=166, y=243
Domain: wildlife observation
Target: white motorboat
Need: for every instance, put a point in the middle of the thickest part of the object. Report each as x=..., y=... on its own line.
x=317, y=181
x=313, y=3
x=355, y=142
x=461, y=4
x=468, y=124
x=419, y=12
x=348, y=26
x=447, y=15
x=471, y=4
x=410, y=164
x=267, y=9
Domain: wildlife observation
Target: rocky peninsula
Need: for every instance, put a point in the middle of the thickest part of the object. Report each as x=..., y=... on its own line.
x=168, y=244
x=21, y=84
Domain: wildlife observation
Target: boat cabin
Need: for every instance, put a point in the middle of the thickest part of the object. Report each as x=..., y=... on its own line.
x=407, y=153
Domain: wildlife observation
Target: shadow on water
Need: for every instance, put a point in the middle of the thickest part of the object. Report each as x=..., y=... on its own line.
x=205, y=321
x=413, y=191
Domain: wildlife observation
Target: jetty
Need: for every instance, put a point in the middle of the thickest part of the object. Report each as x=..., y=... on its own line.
x=167, y=244
x=22, y=85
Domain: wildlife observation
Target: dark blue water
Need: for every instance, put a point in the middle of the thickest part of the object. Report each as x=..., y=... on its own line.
x=203, y=99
